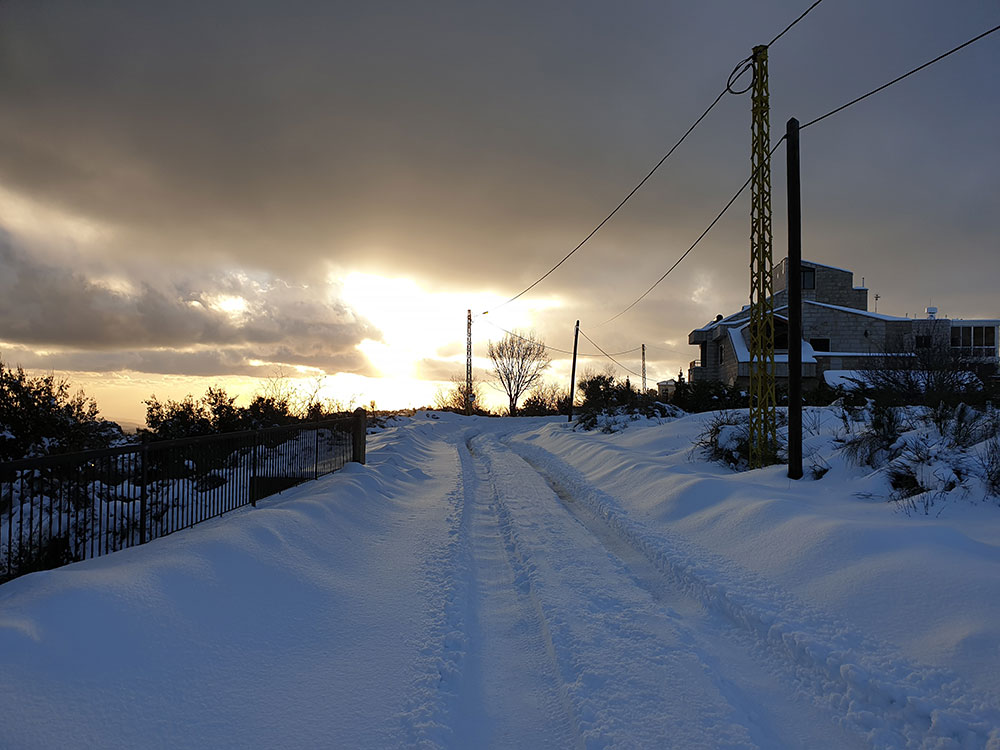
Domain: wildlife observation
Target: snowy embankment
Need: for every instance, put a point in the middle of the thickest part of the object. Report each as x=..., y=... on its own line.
x=301, y=623
x=892, y=619
x=513, y=583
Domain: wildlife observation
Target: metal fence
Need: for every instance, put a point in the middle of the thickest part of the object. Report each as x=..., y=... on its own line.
x=60, y=509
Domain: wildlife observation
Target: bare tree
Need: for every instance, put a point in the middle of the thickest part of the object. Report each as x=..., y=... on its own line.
x=453, y=398
x=518, y=363
x=925, y=376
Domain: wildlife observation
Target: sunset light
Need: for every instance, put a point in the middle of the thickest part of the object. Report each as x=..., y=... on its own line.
x=504, y=375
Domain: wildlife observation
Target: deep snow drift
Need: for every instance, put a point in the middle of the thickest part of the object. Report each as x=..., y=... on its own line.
x=513, y=583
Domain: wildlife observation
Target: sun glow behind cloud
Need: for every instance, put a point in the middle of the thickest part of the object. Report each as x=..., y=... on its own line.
x=26, y=216
x=418, y=325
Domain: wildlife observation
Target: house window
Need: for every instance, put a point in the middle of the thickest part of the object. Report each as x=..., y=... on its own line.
x=722, y=353
x=820, y=345
x=780, y=333
x=923, y=342
x=808, y=278
x=974, y=341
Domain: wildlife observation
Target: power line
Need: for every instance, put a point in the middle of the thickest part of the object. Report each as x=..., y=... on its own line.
x=633, y=372
x=884, y=86
x=561, y=351
x=618, y=207
x=738, y=71
x=663, y=349
x=785, y=30
x=693, y=245
x=811, y=122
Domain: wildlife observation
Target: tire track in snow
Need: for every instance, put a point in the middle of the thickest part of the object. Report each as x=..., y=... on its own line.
x=631, y=679
x=466, y=694
x=427, y=722
x=874, y=691
x=506, y=587
x=725, y=662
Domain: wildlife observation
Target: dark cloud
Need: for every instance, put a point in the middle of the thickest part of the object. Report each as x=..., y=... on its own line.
x=203, y=362
x=45, y=304
x=470, y=146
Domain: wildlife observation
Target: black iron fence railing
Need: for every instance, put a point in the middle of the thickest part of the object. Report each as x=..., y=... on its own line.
x=64, y=508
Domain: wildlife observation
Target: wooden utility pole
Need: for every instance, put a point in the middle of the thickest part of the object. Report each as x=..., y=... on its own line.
x=572, y=377
x=794, y=286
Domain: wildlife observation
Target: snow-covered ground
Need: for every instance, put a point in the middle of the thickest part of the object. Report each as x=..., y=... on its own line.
x=513, y=583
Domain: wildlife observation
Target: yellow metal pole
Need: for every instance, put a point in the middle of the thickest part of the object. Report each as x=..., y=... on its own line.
x=763, y=402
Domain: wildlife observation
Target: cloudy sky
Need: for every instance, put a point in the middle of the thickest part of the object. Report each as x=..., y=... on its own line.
x=199, y=192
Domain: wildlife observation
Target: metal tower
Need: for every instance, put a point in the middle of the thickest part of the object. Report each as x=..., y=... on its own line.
x=643, y=369
x=468, y=365
x=763, y=403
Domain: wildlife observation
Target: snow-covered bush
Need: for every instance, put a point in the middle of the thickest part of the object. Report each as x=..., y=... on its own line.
x=926, y=471
x=927, y=455
x=871, y=437
x=961, y=425
x=989, y=465
x=726, y=440
x=609, y=405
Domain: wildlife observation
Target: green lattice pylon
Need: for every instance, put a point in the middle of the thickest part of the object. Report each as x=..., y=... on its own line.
x=763, y=403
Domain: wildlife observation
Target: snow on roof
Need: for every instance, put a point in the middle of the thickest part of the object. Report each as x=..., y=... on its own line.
x=863, y=354
x=854, y=310
x=824, y=265
x=728, y=320
x=739, y=345
x=743, y=353
x=849, y=379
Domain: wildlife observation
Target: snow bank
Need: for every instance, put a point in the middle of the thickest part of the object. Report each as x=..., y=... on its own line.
x=296, y=624
x=884, y=609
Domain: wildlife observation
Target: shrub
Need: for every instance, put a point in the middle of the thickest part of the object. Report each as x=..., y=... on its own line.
x=544, y=400
x=708, y=396
x=924, y=377
x=962, y=426
x=924, y=473
x=878, y=440
x=989, y=466
x=609, y=405
x=40, y=415
x=726, y=440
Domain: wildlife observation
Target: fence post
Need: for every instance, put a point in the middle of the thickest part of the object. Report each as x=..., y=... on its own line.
x=253, y=468
x=144, y=499
x=359, y=434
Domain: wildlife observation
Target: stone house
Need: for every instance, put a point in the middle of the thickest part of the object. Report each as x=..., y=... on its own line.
x=839, y=334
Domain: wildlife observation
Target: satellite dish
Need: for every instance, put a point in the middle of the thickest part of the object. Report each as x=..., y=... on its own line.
x=472, y=397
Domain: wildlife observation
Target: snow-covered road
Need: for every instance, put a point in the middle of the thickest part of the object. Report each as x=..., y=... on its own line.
x=640, y=662
x=481, y=583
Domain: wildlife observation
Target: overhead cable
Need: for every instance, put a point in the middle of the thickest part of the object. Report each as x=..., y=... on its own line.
x=811, y=122
x=694, y=244
x=561, y=351
x=742, y=67
x=884, y=86
x=633, y=372
x=785, y=30
x=625, y=200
